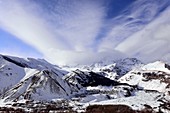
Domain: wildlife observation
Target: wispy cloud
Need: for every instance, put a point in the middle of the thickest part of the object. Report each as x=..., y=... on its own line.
x=152, y=42
x=64, y=26
x=80, y=24
x=79, y=31
x=131, y=20
x=82, y=57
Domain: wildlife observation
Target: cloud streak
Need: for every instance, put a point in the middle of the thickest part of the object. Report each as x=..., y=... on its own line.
x=26, y=26
x=65, y=26
x=79, y=31
x=131, y=20
x=152, y=42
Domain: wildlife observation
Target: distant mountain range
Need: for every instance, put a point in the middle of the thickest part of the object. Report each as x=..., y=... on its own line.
x=34, y=85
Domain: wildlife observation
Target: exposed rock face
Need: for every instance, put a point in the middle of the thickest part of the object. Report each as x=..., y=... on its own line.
x=85, y=78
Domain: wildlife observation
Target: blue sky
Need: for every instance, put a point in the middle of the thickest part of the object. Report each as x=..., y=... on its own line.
x=72, y=31
x=13, y=46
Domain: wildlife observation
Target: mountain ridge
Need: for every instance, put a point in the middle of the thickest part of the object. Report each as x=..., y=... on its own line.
x=31, y=81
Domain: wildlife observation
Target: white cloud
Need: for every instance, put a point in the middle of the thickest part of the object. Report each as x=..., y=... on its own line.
x=151, y=43
x=131, y=20
x=74, y=57
x=66, y=31
x=71, y=27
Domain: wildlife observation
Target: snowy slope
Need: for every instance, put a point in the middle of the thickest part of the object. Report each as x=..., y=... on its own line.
x=32, y=79
x=153, y=76
x=152, y=91
x=137, y=102
x=32, y=63
x=39, y=85
x=10, y=74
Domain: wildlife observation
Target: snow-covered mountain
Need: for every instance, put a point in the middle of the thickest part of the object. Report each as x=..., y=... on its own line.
x=32, y=79
x=153, y=76
x=34, y=84
x=112, y=69
x=39, y=85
